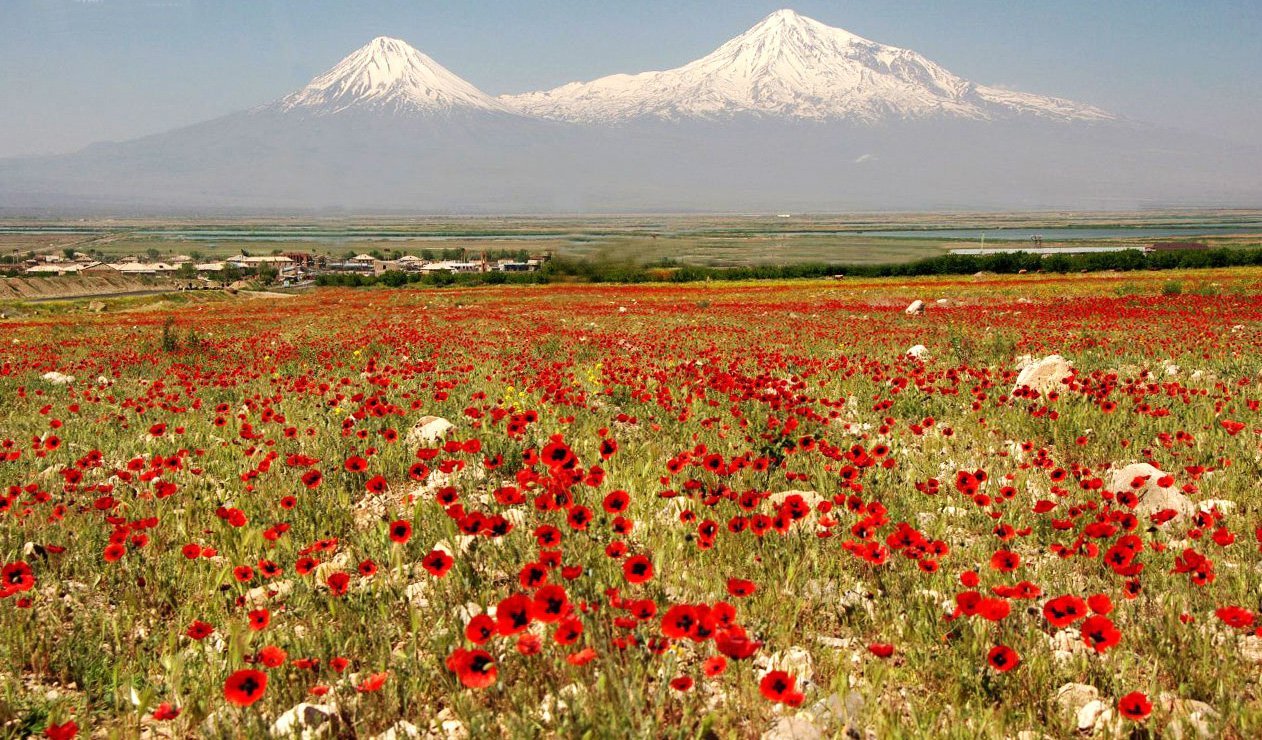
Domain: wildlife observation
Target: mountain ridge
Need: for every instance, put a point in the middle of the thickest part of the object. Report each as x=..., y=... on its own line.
x=791, y=66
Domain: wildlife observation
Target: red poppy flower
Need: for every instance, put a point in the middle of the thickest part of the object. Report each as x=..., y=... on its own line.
x=529, y=644
x=199, y=630
x=735, y=644
x=881, y=649
x=259, y=619
x=64, y=731
x=1100, y=603
x=617, y=502
x=1063, y=611
x=582, y=657
x=1099, y=633
x=1235, y=616
x=245, y=687
x=480, y=629
x=780, y=687
x=16, y=577
x=312, y=478
x=715, y=665
x=373, y=682
x=681, y=683
x=678, y=621
x=637, y=569
x=437, y=563
x=740, y=588
x=165, y=711
x=1134, y=706
x=114, y=552
x=475, y=668
x=1233, y=427
x=1003, y=658
x=338, y=583
x=512, y=615
x=551, y=603
x=400, y=531
x=272, y=656
x=1005, y=561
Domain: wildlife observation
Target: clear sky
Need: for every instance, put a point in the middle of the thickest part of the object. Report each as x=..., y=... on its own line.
x=77, y=71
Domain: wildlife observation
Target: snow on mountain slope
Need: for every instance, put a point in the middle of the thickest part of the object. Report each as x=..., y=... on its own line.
x=388, y=75
x=792, y=66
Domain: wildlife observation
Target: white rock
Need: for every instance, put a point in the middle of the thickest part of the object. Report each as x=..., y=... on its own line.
x=428, y=430
x=1152, y=496
x=915, y=308
x=1043, y=375
x=399, y=731
x=795, y=661
x=261, y=596
x=305, y=721
x=918, y=351
x=1072, y=697
x=1223, y=505
x=793, y=728
x=1089, y=714
x=1251, y=648
x=57, y=378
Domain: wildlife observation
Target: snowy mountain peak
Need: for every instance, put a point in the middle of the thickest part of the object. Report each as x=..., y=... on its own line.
x=791, y=29
x=389, y=75
x=791, y=66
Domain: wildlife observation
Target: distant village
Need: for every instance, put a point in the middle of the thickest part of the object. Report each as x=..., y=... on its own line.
x=288, y=268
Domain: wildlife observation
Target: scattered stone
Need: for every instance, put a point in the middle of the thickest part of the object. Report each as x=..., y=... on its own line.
x=918, y=351
x=1223, y=505
x=57, y=378
x=305, y=721
x=261, y=596
x=795, y=660
x=1251, y=648
x=795, y=727
x=1089, y=714
x=916, y=308
x=1043, y=375
x=1153, y=497
x=1189, y=718
x=401, y=730
x=1072, y=697
x=428, y=430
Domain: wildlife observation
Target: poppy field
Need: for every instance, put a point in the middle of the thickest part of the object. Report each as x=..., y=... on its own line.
x=790, y=509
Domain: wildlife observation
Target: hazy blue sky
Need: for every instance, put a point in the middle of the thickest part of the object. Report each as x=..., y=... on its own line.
x=77, y=71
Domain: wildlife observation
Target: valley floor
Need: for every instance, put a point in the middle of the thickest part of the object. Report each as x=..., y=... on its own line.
x=776, y=509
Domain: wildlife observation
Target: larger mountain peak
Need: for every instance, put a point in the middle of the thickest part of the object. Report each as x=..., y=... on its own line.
x=791, y=66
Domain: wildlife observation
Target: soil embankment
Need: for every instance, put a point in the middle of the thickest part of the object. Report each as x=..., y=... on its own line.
x=79, y=286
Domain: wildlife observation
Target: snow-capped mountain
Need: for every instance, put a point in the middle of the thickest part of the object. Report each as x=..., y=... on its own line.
x=791, y=115
x=389, y=76
x=792, y=66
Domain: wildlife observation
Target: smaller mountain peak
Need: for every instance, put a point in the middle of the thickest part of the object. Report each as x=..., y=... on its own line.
x=390, y=74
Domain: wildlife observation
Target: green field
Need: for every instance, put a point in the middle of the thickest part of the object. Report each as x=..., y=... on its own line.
x=714, y=240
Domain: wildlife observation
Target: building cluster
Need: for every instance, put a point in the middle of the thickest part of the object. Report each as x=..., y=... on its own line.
x=290, y=267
